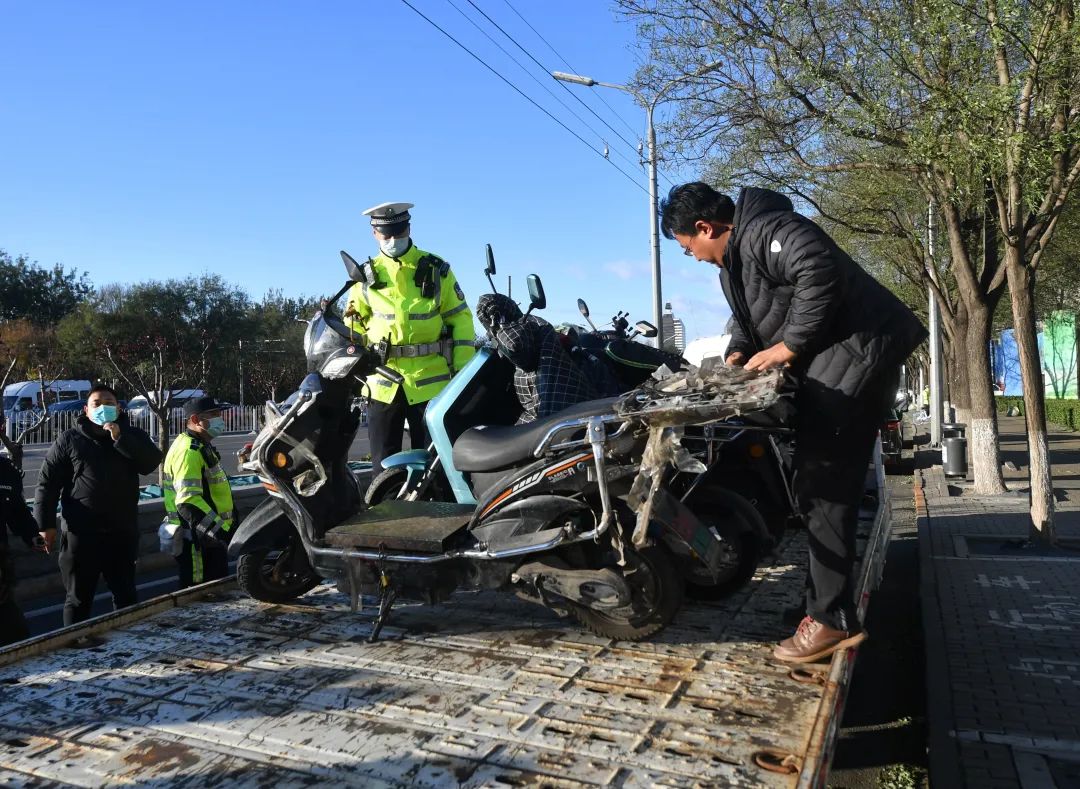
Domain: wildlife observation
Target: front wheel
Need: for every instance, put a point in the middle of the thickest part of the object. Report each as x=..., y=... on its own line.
x=276, y=576
x=387, y=485
x=656, y=595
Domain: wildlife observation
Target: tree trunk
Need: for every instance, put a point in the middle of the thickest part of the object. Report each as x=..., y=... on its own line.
x=162, y=438
x=982, y=421
x=1022, y=296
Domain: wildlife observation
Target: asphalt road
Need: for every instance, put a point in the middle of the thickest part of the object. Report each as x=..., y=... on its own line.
x=227, y=445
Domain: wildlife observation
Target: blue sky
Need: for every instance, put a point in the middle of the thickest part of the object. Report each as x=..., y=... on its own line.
x=146, y=140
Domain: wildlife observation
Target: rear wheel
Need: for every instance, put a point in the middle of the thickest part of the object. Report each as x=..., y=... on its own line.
x=738, y=525
x=656, y=595
x=276, y=576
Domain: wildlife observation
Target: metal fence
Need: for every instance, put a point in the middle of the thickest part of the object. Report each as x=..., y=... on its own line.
x=237, y=420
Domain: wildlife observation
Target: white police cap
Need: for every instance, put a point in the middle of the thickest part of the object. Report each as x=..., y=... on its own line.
x=386, y=214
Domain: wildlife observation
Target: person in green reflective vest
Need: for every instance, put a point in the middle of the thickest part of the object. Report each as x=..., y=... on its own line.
x=411, y=298
x=198, y=501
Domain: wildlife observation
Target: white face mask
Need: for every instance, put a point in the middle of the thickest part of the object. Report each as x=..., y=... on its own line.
x=393, y=247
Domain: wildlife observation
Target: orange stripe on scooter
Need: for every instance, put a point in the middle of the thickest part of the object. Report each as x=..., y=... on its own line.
x=547, y=473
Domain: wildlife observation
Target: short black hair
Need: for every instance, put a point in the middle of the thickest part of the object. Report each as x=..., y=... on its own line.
x=103, y=388
x=688, y=203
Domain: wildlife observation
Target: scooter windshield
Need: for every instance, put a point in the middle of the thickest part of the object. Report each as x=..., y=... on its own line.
x=320, y=341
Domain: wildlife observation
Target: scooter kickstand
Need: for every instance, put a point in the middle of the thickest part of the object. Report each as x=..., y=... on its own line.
x=386, y=601
x=387, y=594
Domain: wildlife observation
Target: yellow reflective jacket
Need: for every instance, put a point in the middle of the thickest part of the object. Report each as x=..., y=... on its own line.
x=196, y=488
x=425, y=331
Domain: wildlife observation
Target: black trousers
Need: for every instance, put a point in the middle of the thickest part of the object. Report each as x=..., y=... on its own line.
x=834, y=443
x=87, y=556
x=199, y=564
x=12, y=624
x=386, y=424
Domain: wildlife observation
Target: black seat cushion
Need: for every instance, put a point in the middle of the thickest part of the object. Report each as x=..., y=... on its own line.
x=495, y=447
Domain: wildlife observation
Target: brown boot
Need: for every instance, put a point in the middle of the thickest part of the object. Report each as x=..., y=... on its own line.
x=814, y=641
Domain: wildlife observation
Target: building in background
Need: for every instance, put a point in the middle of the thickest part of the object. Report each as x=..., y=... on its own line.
x=674, y=331
x=1057, y=352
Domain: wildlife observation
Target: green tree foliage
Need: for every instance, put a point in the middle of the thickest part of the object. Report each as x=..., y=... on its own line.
x=43, y=296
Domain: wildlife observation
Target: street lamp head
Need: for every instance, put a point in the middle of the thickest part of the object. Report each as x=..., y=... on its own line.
x=577, y=78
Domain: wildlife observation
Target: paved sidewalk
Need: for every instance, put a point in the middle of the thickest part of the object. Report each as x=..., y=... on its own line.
x=1001, y=620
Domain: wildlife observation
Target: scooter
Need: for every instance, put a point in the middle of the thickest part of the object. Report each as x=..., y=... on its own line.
x=556, y=529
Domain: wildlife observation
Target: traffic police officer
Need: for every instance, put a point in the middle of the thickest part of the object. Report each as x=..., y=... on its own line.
x=411, y=298
x=198, y=500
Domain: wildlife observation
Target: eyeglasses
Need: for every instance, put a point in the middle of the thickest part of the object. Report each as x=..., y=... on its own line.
x=688, y=250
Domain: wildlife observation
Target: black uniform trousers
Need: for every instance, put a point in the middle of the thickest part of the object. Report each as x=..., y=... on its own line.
x=198, y=564
x=89, y=555
x=12, y=624
x=386, y=424
x=834, y=443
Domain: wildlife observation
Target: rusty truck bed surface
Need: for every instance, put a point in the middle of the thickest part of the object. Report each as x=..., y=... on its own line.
x=208, y=687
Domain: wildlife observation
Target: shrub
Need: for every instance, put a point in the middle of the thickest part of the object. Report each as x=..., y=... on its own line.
x=1065, y=413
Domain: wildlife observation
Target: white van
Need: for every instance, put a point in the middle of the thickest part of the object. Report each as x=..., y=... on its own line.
x=138, y=406
x=24, y=395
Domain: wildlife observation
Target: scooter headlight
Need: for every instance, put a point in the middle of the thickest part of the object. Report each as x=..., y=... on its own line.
x=339, y=366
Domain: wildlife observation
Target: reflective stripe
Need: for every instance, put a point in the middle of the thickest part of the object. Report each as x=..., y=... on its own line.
x=456, y=310
x=188, y=484
x=386, y=316
x=433, y=380
x=423, y=316
x=364, y=289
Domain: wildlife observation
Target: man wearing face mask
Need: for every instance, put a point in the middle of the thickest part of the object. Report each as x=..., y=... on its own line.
x=198, y=501
x=93, y=471
x=410, y=297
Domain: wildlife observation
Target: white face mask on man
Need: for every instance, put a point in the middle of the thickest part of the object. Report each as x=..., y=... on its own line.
x=393, y=247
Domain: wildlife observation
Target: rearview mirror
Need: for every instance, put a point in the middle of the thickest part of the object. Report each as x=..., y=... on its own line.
x=489, y=269
x=645, y=328
x=536, y=292
x=351, y=266
x=583, y=308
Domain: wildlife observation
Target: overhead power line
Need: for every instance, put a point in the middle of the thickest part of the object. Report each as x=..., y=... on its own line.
x=548, y=72
x=569, y=68
x=524, y=95
x=533, y=77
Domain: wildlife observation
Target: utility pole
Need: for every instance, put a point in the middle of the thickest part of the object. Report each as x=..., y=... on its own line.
x=240, y=347
x=936, y=377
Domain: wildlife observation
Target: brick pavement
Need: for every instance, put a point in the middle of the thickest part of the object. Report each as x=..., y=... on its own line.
x=1001, y=620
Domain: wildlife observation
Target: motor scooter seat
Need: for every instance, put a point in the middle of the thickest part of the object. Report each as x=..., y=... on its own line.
x=497, y=447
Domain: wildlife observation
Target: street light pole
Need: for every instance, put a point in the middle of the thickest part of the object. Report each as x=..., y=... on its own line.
x=654, y=218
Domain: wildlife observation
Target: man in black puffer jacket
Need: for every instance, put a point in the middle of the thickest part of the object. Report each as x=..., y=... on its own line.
x=16, y=516
x=798, y=300
x=93, y=470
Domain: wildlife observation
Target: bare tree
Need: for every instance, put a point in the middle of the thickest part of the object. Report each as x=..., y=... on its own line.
x=975, y=102
x=155, y=367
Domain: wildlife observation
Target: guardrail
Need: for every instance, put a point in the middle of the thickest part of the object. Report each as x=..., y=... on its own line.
x=237, y=420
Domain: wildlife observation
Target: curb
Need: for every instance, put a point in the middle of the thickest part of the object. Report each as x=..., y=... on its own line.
x=942, y=758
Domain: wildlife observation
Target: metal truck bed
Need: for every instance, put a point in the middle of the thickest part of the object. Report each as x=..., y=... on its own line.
x=207, y=687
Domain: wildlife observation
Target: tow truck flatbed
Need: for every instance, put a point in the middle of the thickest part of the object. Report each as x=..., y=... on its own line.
x=208, y=687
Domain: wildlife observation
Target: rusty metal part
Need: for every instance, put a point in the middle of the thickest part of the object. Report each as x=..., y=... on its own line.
x=777, y=761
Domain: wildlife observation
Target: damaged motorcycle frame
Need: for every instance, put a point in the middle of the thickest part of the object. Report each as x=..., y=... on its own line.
x=557, y=529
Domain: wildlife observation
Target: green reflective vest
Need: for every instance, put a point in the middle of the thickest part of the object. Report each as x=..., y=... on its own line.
x=193, y=475
x=394, y=306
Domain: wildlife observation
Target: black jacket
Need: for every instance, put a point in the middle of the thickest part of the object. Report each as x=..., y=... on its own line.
x=14, y=512
x=786, y=280
x=95, y=479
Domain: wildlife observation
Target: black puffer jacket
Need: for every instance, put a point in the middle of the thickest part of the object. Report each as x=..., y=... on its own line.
x=786, y=280
x=95, y=479
x=14, y=514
